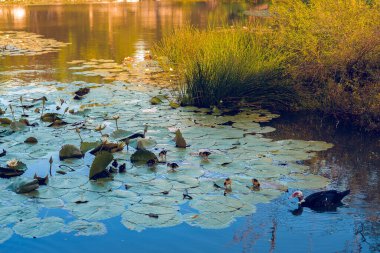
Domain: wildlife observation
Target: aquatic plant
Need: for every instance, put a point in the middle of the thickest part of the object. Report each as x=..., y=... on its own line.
x=307, y=55
x=144, y=197
x=224, y=66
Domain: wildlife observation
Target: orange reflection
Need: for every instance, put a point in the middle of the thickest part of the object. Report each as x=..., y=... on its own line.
x=18, y=13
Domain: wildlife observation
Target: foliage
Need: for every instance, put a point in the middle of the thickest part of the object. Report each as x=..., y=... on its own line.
x=224, y=66
x=100, y=163
x=314, y=55
x=334, y=55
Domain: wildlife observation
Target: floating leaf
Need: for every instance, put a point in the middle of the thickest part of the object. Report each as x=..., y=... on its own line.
x=50, y=117
x=36, y=227
x=155, y=100
x=143, y=144
x=31, y=140
x=69, y=151
x=179, y=140
x=139, y=217
x=86, y=146
x=12, y=214
x=142, y=156
x=100, y=163
x=5, y=121
x=82, y=227
x=117, y=134
x=23, y=185
x=17, y=126
x=174, y=105
x=5, y=234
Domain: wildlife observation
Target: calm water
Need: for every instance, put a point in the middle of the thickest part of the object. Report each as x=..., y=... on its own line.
x=114, y=31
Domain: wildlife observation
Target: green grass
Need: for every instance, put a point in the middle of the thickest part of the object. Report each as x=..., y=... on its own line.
x=319, y=55
x=226, y=65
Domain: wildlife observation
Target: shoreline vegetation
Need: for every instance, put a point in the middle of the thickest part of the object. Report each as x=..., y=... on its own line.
x=317, y=56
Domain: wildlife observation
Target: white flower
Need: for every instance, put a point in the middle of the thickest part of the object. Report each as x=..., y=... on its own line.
x=104, y=139
x=12, y=163
x=116, y=116
x=100, y=127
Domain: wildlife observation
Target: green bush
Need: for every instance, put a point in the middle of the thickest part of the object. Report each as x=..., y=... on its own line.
x=226, y=65
x=308, y=55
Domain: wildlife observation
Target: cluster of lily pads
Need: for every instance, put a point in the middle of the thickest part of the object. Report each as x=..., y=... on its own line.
x=14, y=43
x=77, y=139
x=132, y=69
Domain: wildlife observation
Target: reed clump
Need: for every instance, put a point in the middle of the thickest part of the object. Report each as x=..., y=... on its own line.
x=307, y=55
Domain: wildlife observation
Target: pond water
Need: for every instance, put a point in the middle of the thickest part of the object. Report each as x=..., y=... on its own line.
x=102, y=35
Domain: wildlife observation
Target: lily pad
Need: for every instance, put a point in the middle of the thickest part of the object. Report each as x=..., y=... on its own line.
x=86, y=146
x=179, y=140
x=140, y=217
x=5, y=234
x=174, y=105
x=155, y=100
x=100, y=163
x=36, y=227
x=82, y=227
x=143, y=156
x=5, y=121
x=69, y=151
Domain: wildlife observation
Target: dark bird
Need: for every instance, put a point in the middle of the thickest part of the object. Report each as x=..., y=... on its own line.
x=122, y=168
x=228, y=183
x=4, y=153
x=204, y=153
x=127, y=140
x=172, y=166
x=321, y=201
x=82, y=91
x=41, y=180
x=112, y=170
x=255, y=184
x=186, y=195
x=151, y=162
x=227, y=186
x=114, y=163
x=76, y=97
x=162, y=154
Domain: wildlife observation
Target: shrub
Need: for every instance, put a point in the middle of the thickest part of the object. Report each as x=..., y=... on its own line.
x=226, y=65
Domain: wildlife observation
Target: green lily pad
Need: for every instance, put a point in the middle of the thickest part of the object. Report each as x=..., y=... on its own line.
x=86, y=146
x=143, y=156
x=100, y=163
x=155, y=100
x=5, y=121
x=12, y=214
x=140, y=217
x=179, y=140
x=50, y=117
x=82, y=227
x=174, y=105
x=5, y=234
x=69, y=151
x=36, y=227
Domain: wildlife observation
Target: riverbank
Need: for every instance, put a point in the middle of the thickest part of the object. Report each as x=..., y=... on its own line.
x=320, y=56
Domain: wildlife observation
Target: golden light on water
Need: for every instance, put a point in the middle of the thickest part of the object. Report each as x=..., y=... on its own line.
x=18, y=13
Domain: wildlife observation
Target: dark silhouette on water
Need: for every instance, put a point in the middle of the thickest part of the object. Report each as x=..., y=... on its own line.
x=323, y=201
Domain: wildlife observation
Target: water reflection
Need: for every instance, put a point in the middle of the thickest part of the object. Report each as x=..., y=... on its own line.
x=108, y=30
x=118, y=30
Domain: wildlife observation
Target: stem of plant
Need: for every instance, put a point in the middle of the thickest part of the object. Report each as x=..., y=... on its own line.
x=80, y=137
x=13, y=113
x=51, y=163
x=43, y=107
